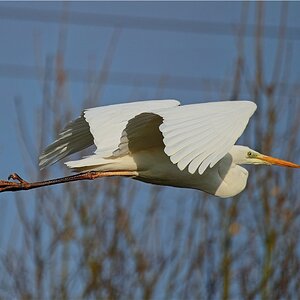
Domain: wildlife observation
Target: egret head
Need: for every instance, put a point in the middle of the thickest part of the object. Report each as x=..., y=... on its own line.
x=245, y=155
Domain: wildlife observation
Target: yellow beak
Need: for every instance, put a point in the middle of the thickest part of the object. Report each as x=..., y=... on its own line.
x=276, y=161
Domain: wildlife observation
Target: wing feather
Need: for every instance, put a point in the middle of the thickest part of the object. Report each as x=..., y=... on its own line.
x=203, y=160
x=107, y=123
x=102, y=126
x=198, y=136
x=76, y=136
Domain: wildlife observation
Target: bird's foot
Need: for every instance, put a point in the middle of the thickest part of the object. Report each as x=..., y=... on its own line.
x=6, y=186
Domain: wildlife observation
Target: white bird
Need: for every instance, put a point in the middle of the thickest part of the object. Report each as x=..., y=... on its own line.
x=159, y=142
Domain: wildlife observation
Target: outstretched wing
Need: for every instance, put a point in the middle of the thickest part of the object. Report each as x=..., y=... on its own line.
x=199, y=135
x=102, y=126
x=196, y=136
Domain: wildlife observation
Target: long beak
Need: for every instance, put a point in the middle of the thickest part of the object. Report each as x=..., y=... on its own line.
x=276, y=161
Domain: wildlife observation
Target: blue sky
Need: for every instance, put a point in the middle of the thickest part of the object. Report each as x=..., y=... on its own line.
x=170, y=53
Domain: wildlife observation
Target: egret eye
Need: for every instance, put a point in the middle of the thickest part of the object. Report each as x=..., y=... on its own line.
x=249, y=153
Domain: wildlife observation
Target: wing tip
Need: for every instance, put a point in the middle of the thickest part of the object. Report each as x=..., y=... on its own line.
x=250, y=104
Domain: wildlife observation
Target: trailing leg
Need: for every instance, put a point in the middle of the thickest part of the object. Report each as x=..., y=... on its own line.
x=21, y=184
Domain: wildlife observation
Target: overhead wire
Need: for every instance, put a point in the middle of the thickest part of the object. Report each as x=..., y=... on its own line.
x=127, y=78
x=141, y=22
x=133, y=22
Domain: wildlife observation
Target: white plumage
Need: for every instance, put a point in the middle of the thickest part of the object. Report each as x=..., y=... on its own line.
x=199, y=135
x=164, y=143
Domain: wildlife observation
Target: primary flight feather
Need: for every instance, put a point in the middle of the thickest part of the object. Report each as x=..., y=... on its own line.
x=161, y=142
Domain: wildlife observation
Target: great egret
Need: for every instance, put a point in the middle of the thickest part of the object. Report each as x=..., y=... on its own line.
x=160, y=142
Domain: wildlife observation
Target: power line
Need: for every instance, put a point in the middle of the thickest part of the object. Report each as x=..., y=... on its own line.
x=129, y=79
x=115, y=78
x=141, y=23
